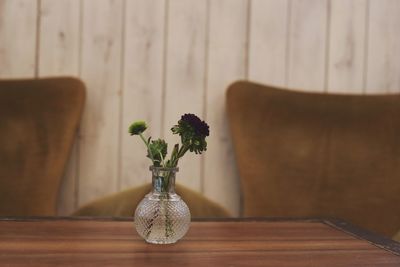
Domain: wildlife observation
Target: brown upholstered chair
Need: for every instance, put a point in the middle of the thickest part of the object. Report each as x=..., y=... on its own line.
x=314, y=154
x=123, y=204
x=38, y=122
x=397, y=236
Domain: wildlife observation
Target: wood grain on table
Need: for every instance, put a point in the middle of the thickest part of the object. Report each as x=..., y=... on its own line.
x=66, y=242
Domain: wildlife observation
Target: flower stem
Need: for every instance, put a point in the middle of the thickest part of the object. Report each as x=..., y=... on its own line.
x=179, y=154
x=162, y=209
x=182, y=151
x=162, y=159
x=148, y=147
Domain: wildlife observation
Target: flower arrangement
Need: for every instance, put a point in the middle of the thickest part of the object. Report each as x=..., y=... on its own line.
x=192, y=131
x=162, y=217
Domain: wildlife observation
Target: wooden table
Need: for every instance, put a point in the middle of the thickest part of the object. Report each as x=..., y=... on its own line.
x=251, y=242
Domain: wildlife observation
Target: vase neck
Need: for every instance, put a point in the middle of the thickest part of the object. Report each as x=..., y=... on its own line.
x=163, y=179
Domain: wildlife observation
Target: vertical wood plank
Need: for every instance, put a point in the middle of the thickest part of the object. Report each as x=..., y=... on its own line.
x=307, y=45
x=268, y=36
x=347, y=43
x=184, y=89
x=383, y=66
x=59, y=38
x=18, y=29
x=142, y=87
x=59, y=55
x=226, y=63
x=100, y=69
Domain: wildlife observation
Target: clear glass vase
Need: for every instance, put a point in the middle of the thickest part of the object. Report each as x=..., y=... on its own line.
x=162, y=217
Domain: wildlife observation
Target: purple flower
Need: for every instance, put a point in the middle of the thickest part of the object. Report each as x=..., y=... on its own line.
x=193, y=132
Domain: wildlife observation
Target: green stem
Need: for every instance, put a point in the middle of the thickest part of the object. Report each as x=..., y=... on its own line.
x=169, y=231
x=174, y=154
x=162, y=159
x=182, y=151
x=180, y=154
x=148, y=147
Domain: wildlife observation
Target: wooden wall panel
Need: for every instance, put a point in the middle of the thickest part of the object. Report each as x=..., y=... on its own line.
x=226, y=63
x=101, y=66
x=18, y=30
x=185, y=76
x=268, y=41
x=142, y=84
x=58, y=56
x=307, y=44
x=157, y=59
x=59, y=38
x=347, y=46
x=383, y=58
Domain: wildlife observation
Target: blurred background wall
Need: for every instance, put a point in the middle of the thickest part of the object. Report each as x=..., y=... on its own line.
x=157, y=59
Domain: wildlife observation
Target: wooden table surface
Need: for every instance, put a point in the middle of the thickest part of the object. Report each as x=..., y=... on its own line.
x=252, y=242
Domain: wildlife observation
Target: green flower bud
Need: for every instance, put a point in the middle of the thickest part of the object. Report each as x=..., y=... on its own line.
x=137, y=127
x=158, y=148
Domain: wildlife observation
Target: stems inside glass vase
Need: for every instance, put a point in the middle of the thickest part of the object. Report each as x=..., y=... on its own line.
x=163, y=185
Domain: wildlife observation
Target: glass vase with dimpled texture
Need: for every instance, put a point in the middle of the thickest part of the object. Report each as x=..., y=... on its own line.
x=162, y=217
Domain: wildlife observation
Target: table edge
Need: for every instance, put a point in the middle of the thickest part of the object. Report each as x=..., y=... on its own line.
x=205, y=219
x=375, y=239
x=369, y=236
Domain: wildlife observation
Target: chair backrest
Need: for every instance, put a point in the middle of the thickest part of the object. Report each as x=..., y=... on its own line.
x=123, y=204
x=38, y=122
x=315, y=154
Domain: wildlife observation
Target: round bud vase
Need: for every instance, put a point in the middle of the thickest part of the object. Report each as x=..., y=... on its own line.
x=162, y=217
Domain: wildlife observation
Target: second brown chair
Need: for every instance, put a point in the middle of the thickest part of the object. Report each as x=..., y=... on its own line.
x=318, y=155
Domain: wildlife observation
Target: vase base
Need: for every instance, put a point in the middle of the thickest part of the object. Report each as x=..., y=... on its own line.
x=161, y=242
